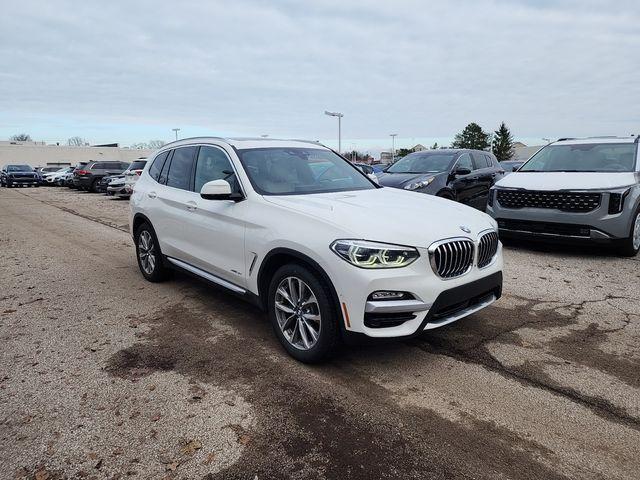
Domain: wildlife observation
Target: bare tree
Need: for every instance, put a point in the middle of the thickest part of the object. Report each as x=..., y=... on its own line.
x=21, y=137
x=76, y=142
x=139, y=146
x=155, y=144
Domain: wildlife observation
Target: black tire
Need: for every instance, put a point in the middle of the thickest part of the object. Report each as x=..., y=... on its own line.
x=626, y=248
x=159, y=272
x=328, y=335
x=445, y=194
x=94, y=186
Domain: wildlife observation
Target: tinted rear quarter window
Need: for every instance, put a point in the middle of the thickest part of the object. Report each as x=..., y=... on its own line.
x=156, y=166
x=137, y=165
x=181, y=167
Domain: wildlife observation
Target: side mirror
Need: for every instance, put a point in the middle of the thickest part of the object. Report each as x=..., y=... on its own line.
x=218, y=190
x=461, y=171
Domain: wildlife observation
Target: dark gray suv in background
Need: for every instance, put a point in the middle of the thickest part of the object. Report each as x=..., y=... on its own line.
x=89, y=176
x=457, y=174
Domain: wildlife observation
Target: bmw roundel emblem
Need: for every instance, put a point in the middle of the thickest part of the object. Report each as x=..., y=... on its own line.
x=465, y=229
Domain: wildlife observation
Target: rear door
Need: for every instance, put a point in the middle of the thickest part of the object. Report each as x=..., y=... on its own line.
x=486, y=174
x=170, y=200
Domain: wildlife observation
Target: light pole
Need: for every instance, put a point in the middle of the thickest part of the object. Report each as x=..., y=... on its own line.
x=176, y=130
x=339, y=115
x=393, y=146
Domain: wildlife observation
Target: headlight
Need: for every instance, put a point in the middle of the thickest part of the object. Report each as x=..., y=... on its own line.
x=417, y=185
x=616, y=201
x=365, y=254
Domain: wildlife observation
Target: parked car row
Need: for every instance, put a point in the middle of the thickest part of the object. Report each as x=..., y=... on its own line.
x=113, y=178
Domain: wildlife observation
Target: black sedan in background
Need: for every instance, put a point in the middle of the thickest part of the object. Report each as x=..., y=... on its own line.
x=462, y=175
x=19, y=176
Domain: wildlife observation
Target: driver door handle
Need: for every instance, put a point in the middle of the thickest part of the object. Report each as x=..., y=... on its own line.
x=192, y=206
x=152, y=194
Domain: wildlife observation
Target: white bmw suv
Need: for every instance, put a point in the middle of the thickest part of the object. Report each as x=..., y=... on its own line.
x=308, y=237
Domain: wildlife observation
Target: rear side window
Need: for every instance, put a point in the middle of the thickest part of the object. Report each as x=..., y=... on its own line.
x=94, y=166
x=156, y=166
x=180, y=168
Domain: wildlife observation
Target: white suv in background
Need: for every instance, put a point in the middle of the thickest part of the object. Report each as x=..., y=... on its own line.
x=307, y=236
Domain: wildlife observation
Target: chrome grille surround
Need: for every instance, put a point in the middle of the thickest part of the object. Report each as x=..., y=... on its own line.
x=487, y=248
x=453, y=257
x=565, y=201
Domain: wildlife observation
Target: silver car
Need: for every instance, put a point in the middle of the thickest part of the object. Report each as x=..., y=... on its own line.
x=585, y=190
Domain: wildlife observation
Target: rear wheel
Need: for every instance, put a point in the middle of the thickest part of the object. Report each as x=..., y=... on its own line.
x=149, y=255
x=94, y=186
x=302, y=314
x=631, y=246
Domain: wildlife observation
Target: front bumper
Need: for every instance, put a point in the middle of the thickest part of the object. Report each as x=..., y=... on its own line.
x=12, y=181
x=437, y=302
x=597, y=225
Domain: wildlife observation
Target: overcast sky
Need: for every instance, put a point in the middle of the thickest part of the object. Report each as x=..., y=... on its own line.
x=130, y=71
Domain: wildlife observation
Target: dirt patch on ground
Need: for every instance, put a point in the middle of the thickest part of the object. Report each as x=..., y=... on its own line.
x=314, y=422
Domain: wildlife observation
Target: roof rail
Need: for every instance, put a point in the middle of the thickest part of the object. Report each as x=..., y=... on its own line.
x=565, y=138
x=194, y=138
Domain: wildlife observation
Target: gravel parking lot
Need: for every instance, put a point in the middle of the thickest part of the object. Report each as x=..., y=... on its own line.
x=103, y=375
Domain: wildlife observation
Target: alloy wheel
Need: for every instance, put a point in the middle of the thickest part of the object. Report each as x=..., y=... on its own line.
x=298, y=313
x=147, y=252
x=636, y=233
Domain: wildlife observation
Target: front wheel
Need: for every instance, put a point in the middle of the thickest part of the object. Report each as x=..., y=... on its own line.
x=149, y=256
x=631, y=246
x=445, y=194
x=302, y=314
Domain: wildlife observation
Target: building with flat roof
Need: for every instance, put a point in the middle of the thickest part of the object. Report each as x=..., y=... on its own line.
x=38, y=154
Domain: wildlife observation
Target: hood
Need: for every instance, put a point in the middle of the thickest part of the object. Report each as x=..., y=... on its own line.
x=389, y=215
x=400, y=180
x=568, y=180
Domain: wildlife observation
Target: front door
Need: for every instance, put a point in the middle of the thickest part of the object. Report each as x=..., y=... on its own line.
x=216, y=227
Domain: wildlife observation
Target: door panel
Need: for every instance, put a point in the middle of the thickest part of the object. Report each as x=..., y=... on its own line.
x=465, y=185
x=218, y=223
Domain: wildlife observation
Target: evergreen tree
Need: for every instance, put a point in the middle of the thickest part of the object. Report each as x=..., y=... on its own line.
x=471, y=137
x=434, y=146
x=503, y=143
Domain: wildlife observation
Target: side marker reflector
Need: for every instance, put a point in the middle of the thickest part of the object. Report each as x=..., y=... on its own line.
x=346, y=315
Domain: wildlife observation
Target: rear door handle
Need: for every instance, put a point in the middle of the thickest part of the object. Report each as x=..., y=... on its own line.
x=152, y=194
x=192, y=206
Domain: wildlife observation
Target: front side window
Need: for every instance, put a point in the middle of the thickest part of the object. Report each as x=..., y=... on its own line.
x=180, y=168
x=591, y=157
x=213, y=164
x=465, y=162
x=298, y=171
x=423, y=163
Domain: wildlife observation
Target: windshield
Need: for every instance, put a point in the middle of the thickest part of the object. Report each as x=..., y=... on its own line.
x=592, y=157
x=19, y=168
x=298, y=171
x=423, y=163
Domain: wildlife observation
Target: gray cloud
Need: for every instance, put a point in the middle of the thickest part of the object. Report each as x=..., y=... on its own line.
x=251, y=67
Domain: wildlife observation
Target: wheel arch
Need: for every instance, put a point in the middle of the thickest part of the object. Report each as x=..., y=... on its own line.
x=139, y=219
x=281, y=256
